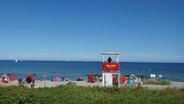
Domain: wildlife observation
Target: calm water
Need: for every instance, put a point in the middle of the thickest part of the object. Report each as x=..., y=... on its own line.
x=73, y=70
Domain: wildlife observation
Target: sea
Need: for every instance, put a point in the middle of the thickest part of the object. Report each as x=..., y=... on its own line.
x=75, y=69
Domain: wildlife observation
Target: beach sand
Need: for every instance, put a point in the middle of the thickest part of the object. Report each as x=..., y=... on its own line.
x=48, y=83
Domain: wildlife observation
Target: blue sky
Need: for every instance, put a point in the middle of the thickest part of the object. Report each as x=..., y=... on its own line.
x=141, y=30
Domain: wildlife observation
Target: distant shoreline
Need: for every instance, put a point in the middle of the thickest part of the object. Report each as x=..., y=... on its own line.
x=91, y=61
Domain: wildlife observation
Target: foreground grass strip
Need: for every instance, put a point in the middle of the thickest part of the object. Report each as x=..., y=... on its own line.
x=70, y=94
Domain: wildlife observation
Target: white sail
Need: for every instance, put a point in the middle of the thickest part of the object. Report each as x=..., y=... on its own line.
x=16, y=60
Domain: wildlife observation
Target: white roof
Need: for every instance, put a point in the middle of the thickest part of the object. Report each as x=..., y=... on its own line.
x=110, y=53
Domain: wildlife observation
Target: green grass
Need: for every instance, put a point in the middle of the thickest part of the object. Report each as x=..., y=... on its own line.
x=70, y=94
x=157, y=82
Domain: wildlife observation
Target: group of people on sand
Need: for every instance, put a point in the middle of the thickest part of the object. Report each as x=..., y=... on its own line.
x=5, y=78
x=30, y=79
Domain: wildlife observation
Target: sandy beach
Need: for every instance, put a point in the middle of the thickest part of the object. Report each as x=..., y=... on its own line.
x=48, y=83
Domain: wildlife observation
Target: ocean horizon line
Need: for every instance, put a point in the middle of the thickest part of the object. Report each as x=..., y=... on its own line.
x=87, y=61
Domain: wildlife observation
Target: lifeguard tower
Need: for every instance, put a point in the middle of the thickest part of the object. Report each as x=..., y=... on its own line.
x=110, y=69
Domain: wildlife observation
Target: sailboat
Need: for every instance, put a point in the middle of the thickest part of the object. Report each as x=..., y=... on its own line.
x=16, y=60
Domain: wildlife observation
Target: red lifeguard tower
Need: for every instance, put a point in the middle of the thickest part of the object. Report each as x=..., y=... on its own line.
x=110, y=69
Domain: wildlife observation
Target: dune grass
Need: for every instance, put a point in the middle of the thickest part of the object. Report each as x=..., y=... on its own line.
x=70, y=94
x=157, y=82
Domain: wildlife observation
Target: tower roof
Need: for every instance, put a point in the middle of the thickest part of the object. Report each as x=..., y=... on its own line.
x=110, y=53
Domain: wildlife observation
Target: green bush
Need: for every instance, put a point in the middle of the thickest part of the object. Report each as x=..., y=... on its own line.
x=70, y=94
